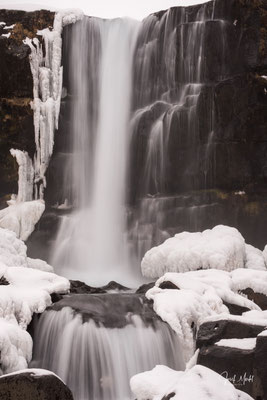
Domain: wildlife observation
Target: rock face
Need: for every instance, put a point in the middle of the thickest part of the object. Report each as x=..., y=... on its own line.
x=245, y=368
x=16, y=91
x=33, y=386
x=215, y=169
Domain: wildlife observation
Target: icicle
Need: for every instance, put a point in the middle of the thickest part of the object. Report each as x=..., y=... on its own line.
x=47, y=88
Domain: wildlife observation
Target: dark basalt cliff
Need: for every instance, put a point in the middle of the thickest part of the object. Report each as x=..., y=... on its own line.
x=16, y=91
x=206, y=182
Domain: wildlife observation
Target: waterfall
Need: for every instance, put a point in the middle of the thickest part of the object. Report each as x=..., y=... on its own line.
x=97, y=362
x=91, y=244
x=174, y=152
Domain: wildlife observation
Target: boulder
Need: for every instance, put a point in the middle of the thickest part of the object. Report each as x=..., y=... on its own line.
x=33, y=385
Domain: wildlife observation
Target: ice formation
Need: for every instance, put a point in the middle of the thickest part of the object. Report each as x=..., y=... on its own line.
x=222, y=247
x=196, y=383
x=26, y=291
x=201, y=295
x=22, y=212
x=26, y=208
x=47, y=75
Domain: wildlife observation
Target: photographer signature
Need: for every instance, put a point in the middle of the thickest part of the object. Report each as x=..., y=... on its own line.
x=238, y=380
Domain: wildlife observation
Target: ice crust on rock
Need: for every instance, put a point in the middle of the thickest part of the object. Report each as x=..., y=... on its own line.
x=27, y=292
x=198, y=382
x=222, y=247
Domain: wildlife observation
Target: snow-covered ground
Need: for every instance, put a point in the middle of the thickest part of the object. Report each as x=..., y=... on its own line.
x=25, y=289
x=222, y=247
x=196, y=383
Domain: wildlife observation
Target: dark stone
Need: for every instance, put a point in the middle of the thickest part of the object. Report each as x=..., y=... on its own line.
x=144, y=288
x=258, y=298
x=3, y=281
x=234, y=309
x=168, y=285
x=78, y=287
x=213, y=331
x=245, y=369
x=28, y=386
x=114, y=286
x=56, y=297
x=113, y=310
x=169, y=396
x=260, y=365
x=233, y=364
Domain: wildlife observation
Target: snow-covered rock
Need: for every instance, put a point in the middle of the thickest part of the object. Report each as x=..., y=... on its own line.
x=27, y=291
x=222, y=247
x=200, y=296
x=196, y=383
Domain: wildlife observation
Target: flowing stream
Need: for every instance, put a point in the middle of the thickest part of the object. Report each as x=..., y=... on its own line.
x=97, y=362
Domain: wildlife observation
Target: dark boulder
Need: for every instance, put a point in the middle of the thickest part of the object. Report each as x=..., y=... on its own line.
x=32, y=385
x=258, y=298
x=236, y=365
x=213, y=331
x=113, y=310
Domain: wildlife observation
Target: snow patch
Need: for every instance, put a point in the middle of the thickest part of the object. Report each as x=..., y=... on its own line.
x=222, y=247
x=28, y=291
x=21, y=218
x=243, y=344
x=197, y=383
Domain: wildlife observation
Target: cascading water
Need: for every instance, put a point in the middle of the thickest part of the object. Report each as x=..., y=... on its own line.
x=91, y=243
x=136, y=91
x=97, y=362
x=167, y=135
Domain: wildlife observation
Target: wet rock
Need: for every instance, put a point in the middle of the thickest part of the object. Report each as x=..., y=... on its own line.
x=78, y=287
x=213, y=331
x=3, y=281
x=237, y=365
x=234, y=309
x=113, y=310
x=32, y=385
x=258, y=298
x=144, y=288
x=168, y=285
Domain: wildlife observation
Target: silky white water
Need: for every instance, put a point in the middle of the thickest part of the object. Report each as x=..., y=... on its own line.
x=97, y=362
x=91, y=244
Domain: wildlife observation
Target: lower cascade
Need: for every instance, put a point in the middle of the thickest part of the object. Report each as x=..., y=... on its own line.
x=97, y=362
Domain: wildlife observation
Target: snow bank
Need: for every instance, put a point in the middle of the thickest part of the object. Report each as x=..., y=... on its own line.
x=243, y=344
x=27, y=292
x=200, y=296
x=33, y=371
x=222, y=248
x=21, y=218
x=15, y=347
x=197, y=383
